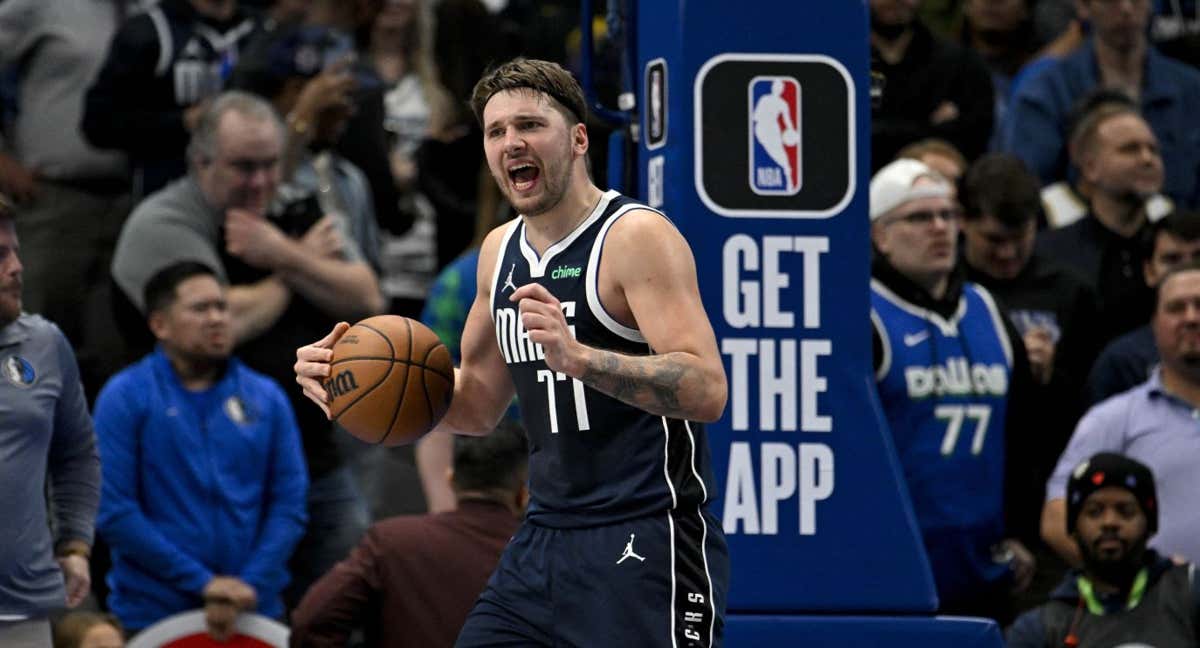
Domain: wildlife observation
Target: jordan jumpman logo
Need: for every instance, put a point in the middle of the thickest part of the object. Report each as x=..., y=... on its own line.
x=629, y=553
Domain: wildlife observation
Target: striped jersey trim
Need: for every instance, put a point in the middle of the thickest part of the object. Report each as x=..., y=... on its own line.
x=512, y=227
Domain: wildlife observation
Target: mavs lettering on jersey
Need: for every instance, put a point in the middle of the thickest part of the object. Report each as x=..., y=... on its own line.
x=944, y=385
x=593, y=459
x=775, y=135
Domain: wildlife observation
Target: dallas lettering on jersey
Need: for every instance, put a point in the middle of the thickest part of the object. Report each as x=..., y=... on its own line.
x=790, y=385
x=956, y=378
x=514, y=340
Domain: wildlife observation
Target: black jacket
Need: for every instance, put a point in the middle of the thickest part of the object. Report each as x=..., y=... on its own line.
x=932, y=71
x=1048, y=294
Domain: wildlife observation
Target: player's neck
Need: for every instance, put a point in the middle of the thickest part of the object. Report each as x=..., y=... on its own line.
x=552, y=226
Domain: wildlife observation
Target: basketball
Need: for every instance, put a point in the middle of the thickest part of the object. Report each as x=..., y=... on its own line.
x=390, y=380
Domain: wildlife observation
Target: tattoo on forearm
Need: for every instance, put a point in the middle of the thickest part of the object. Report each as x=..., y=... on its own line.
x=652, y=383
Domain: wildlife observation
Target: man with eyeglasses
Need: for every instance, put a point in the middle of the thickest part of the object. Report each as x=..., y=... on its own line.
x=293, y=269
x=951, y=375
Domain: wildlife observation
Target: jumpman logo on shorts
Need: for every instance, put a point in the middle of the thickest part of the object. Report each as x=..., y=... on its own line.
x=629, y=553
x=508, y=283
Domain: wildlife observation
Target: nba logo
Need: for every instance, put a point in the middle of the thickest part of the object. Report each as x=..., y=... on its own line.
x=774, y=130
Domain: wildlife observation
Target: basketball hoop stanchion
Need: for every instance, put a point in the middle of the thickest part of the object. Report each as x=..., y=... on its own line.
x=752, y=134
x=622, y=142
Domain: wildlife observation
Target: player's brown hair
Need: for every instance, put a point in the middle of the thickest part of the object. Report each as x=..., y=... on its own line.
x=534, y=75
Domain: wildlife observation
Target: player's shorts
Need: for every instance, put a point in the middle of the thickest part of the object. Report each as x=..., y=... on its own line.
x=653, y=581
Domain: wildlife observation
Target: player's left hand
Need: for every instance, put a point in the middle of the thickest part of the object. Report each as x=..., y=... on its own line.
x=77, y=578
x=542, y=316
x=312, y=366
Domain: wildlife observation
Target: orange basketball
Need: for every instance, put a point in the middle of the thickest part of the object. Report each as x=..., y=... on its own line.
x=390, y=380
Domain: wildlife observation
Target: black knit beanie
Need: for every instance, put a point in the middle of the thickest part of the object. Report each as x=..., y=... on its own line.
x=1109, y=469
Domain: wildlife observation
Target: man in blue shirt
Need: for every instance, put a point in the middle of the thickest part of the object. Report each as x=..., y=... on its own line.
x=1116, y=55
x=45, y=432
x=204, y=477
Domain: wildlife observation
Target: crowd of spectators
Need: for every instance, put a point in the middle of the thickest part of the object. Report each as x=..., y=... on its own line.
x=201, y=186
x=1049, y=214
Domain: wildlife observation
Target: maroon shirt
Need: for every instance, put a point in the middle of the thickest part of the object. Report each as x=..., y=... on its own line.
x=410, y=582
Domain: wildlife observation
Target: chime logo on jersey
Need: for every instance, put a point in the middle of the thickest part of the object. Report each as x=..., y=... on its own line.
x=774, y=133
x=18, y=371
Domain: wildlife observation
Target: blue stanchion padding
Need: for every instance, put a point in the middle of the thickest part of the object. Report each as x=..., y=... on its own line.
x=752, y=631
x=754, y=139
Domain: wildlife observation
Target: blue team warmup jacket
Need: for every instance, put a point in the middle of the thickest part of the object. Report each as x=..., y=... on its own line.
x=196, y=484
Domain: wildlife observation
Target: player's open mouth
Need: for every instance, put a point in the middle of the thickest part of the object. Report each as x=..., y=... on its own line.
x=523, y=176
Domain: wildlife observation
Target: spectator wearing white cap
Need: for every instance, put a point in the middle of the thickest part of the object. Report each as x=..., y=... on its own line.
x=951, y=373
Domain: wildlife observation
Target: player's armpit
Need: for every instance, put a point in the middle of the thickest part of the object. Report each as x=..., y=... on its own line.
x=483, y=387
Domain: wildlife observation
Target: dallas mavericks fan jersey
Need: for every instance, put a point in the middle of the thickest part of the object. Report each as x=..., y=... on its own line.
x=943, y=385
x=593, y=459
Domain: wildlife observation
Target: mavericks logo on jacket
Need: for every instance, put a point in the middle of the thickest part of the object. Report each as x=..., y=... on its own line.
x=18, y=371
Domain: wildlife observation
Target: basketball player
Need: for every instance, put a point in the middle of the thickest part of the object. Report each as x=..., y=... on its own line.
x=588, y=309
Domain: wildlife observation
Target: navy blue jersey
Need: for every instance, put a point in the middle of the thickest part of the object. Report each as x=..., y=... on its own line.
x=593, y=459
x=944, y=385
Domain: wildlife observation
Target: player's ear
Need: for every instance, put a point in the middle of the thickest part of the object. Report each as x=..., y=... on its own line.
x=579, y=139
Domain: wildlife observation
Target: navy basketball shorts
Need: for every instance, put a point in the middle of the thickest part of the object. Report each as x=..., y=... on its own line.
x=654, y=581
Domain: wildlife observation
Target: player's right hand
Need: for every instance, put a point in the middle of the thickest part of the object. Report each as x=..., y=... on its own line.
x=312, y=366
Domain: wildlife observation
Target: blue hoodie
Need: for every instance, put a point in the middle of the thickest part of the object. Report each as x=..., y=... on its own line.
x=196, y=485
